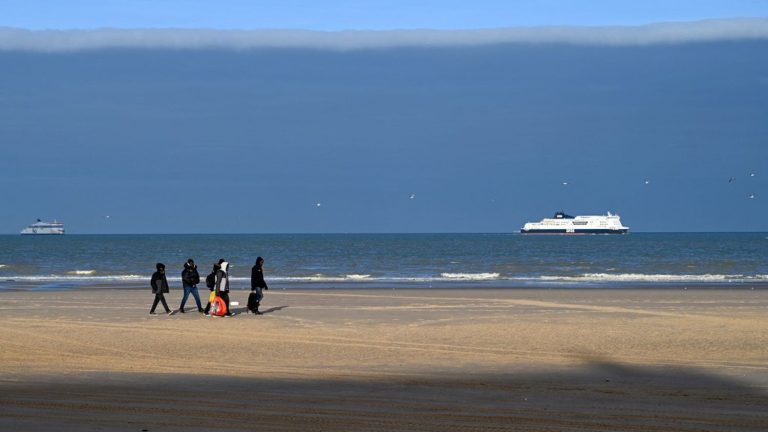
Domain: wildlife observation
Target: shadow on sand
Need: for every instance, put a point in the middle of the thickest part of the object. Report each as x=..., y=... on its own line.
x=244, y=310
x=598, y=395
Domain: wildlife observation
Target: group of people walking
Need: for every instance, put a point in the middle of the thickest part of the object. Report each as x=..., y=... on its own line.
x=217, y=282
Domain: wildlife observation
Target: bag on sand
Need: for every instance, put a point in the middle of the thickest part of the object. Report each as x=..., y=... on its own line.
x=218, y=307
x=253, y=302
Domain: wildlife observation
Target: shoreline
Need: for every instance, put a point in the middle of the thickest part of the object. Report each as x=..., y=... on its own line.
x=429, y=359
x=12, y=285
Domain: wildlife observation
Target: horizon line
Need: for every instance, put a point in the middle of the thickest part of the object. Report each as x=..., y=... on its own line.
x=517, y=232
x=76, y=40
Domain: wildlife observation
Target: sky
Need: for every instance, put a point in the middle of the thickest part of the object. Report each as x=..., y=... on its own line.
x=447, y=127
x=362, y=15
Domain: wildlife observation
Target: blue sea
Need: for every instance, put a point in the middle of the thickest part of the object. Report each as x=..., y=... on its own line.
x=382, y=261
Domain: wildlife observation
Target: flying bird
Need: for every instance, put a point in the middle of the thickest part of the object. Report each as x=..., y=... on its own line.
x=318, y=204
x=751, y=196
x=412, y=196
x=751, y=174
x=731, y=179
x=647, y=182
x=565, y=183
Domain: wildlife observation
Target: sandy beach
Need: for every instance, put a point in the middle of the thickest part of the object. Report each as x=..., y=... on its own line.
x=404, y=360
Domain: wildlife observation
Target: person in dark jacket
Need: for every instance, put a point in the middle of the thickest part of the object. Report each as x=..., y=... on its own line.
x=159, y=287
x=210, y=282
x=257, y=285
x=189, y=279
x=222, y=285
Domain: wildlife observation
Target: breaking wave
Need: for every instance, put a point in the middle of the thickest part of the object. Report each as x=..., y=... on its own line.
x=76, y=278
x=470, y=276
x=357, y=276
x=89, y=277
x=444, y=277
x=639, y=277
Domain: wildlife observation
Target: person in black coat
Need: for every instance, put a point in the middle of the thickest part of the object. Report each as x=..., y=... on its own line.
x=210, y=282
x=189, y=279
x=159, y=287
x=257, y=285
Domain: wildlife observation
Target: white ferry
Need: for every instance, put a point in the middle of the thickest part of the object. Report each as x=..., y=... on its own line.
x=41, y=228
x=562, y=223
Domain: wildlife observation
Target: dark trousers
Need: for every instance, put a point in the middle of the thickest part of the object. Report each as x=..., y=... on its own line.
x=159, y=298
x=208, y=308
x=225, y=296
x=254, y=299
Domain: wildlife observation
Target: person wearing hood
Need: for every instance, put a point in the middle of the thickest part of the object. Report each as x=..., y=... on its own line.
x=159, y=285
x=210, y=282
x=257, y=285
x=222, y=285
x=189, y=279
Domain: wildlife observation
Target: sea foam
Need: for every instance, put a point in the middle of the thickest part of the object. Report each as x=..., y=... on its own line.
x=77, y=278
x=639, y=277
x=470, y=276
x=357, y=276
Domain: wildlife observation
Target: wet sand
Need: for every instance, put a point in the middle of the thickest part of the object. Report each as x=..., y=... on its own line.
x=420, y=360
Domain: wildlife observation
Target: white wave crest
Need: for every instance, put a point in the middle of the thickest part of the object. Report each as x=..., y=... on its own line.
x=347, y=278
x=357, y=276
x=315, y=278
x=639, y=277
x=323, y=278
x=444, y=277
x=79, y=278
x=89, y=276
x=470, y=276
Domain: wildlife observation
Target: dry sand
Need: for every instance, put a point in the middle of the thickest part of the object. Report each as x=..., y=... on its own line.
x=394, y=360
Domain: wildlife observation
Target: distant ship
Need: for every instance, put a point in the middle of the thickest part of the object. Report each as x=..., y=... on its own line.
x=42, y=228
x=562, y=223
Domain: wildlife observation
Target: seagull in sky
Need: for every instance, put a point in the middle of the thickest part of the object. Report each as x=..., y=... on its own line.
x=318, y=204
x=751, y=196
x=731, y=179
x=412, y=196
x=647, y=182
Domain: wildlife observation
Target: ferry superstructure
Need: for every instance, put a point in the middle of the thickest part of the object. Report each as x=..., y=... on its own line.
x=562, y=223
x=44, y=228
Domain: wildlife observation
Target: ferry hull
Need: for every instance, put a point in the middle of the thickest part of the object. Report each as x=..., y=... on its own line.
x=573, y=232
x=41, y=232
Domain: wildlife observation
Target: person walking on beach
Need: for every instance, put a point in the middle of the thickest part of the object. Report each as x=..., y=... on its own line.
x=210, y=282
x=189, y=279
x=257, y=284
x=222, y=285
x=159, y=287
